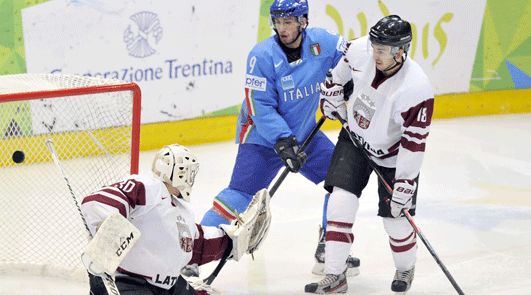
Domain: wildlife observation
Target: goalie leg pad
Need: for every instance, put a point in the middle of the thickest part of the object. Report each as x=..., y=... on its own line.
x=251, y=227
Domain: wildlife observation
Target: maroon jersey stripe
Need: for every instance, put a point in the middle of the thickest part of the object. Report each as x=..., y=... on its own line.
x=415, y=116
x=405, y=239
x=412, y=146
x=339, y=237
x=416, y=135
x=134, y=190
x=107, y=201
x=340, y=224
x=404, y=248
x=118, y=194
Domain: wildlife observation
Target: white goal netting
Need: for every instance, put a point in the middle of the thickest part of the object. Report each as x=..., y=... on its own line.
x=94, y=126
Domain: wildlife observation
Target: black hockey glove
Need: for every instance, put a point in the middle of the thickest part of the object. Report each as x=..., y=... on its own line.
x=348, y=88
x=287, y=148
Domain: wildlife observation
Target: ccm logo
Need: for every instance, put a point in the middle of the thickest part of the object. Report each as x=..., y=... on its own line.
x=255, y=83
x=124, y=243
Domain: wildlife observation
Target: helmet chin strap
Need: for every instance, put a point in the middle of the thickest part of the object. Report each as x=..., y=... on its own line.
x=397, y=63
x=295, y=39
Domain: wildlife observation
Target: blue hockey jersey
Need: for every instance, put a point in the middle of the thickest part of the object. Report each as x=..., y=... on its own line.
x=281, y=99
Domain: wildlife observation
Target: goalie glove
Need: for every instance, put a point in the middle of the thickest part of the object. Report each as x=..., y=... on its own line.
x=332, y=100
x=251, y=227
x=403, y=192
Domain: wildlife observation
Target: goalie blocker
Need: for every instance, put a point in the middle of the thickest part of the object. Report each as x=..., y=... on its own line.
x=114, y=238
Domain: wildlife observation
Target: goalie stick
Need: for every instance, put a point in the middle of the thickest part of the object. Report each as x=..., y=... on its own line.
x=210, y=279
x=406, y=213
x=108, y=279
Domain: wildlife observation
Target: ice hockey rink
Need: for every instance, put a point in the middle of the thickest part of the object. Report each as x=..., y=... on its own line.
x=474, y=207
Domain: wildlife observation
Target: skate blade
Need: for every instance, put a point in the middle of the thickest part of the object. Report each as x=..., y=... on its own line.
x=318, y=269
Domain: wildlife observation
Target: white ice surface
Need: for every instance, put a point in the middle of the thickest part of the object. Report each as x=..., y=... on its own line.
x=474, y=207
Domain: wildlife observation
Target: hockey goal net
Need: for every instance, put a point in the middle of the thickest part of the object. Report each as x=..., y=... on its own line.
x=94, y=127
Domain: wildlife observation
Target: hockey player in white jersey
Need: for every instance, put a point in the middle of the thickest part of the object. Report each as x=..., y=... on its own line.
x=390, y=114
x=170, y=239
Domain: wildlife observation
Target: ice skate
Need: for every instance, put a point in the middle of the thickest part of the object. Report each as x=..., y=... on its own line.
x=402, y=281
x=330, y=284
x=353, y=263
x=190, y=270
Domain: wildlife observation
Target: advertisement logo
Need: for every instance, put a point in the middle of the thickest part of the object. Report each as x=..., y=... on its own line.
x=255, y=83
x=287, y=82
x=148, y=32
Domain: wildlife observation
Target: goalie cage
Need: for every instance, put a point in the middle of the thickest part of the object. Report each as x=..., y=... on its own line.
x=94, y=124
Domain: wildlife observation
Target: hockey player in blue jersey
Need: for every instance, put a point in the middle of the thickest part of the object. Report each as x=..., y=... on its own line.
x=281, y=99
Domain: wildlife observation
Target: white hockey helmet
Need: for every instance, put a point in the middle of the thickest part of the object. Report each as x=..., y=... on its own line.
x=177, y=166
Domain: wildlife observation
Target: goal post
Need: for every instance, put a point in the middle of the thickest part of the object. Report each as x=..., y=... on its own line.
x=94, y=124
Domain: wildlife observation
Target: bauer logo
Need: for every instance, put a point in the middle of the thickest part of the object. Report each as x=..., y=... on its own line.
x=255, y=83
x=141, y=37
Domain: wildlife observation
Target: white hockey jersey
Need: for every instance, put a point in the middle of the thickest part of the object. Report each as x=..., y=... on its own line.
x=391, y=116
x=170, y=237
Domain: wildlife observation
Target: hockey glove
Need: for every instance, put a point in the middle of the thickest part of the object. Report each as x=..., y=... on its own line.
x=332, y=100
x=348, y=89
x=287, y=148
x=403, y=192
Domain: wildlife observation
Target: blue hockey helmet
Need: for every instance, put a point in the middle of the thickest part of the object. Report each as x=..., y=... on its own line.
x=288, y=8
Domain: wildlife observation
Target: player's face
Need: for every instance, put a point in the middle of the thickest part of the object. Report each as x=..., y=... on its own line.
x=382, y=56
x=288, y=30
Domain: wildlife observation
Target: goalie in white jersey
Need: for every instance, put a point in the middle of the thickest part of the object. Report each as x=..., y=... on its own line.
x=170, y=239
x=390, y=113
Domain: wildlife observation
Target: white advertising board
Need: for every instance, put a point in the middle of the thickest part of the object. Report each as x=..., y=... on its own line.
x=446, y=32
x=188, y=57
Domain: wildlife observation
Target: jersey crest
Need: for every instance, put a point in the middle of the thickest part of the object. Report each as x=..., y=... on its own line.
x=185, y=237
x=315, y=48
x=364, y=109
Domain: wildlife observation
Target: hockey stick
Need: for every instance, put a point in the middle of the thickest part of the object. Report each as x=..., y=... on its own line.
x=108, y=280
x=406, y=213
x=49, y=144
x=274, y=188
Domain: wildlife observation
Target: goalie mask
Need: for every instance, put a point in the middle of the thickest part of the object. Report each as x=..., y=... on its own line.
x=177, y=166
